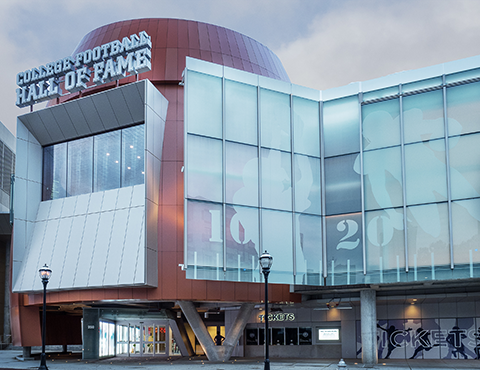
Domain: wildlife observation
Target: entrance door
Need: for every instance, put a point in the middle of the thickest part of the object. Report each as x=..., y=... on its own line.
x=142, y=338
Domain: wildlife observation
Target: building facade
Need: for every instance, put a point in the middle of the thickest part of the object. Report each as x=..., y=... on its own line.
x=152, y=193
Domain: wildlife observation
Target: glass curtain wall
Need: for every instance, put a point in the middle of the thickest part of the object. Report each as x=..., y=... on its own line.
x=377, y=187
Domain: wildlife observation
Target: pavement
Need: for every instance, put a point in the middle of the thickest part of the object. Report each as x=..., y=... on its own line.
x=9, y=361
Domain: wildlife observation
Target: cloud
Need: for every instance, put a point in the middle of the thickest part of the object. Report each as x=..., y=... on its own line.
x=369, y=39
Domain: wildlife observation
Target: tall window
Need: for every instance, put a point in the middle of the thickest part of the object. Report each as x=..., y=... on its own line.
x=102, y=162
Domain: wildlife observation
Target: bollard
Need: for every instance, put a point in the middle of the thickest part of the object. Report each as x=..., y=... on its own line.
x=342, y=365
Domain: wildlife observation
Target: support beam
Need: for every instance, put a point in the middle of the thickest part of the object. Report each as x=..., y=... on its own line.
x=368, y=309
x=236, y=330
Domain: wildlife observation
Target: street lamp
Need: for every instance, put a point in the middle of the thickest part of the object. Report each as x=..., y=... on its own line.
x=266, y=261
x=45, y=274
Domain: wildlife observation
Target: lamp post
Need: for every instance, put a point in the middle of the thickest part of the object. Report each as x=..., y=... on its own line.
x=45, y=274
x=266, y=261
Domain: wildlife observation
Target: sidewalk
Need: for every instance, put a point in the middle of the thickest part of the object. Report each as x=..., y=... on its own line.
x=8, y=361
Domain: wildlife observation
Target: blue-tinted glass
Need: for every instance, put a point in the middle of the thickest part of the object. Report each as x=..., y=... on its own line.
x=341, y=126
x=466, y=238
x=428, y=240
x=106, y=156
x=276, y=180
x=204, y=104
x=308, y=258
x=306, y=126
x=463, y=109
x=307, y=184
x=275, y=119
x=204, y=168
x=425, y=172
x=344, y=249
x=204, y=241
x=241, y=112
x=465, y=166
x=242, y=244
x=133, y=147
x=342, y=184
x=381, y=124
x=382, y=170
x=80, y=166
x=385, y=249
x=423, y=117
x=277, y=240
x=241, y=174
x=55, y=171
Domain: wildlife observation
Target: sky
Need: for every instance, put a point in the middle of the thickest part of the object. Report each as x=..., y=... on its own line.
x=321, y=43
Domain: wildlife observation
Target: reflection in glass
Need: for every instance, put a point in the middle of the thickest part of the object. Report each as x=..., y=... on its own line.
x=381, y=124
x=382, y=170
x=385, y=250
x=307, y=184
x=242, y=244
x=425, y=172
x=251, y=337
x=423, y=116
x=341, y=126
x=278, y=336
x=275, y=119
x=240, y=112
x=463, y=109
x=79, y=167
x=204, y=168
x=276, y=179
x=342, y=184
x=241, y=174
x=308, y=250
x=54, y=171
x=465, y=166
x=106, y=165
x=344, y=249
x=305, y=336
x=428, y=240
x=133, y=168
x=291, y=335
x=277, y=240
x=204, y=101
x=306, y=127
x=204, y=240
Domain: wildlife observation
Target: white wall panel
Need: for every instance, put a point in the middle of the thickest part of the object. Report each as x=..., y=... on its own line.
x=19, y=201
x=56, y=208
x=35, y=159
x=100, y=249
x=124, y=197
x=81, y=207
x=138, y=197
x=33, y=189
x=71, y=256
x=59, y=250
x=109, y=200
x=69, y=205
x=133, y=242
x=86, y=252
x=116, y=245
x=43, y=210
x=96, y=200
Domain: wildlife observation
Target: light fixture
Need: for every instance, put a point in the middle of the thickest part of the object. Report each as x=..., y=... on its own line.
x=266, y=261
x=45, y=274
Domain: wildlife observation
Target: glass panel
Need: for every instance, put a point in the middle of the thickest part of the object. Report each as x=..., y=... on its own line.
x=160, y=334
x=275, y=119
x=276, y=179
x=423, y=84
x=8, y=168
x=148, y=348
x=428, y=241
x=308, y=250
x=307, y=184
x=344, y=249
x=341, y=126
x=425, y=172
x=133, y=147
x=241, y=174
x=251, y=337
x=204, y=104
x=278, y=336
x=204, y=168
x=465, y=166
x=261, y=336
x=204, y=240
x=305, y=336
x=463, y=109
x=148, y=333
x=381, y=124
x=277, y=240
x=241, y=112
x=385, y=250
x=342, y=184
x=79, y=169
x=466, y=238
x=306, y=126
x=106, y=166
x=54, y=171
x=423, y=117
x=382, y=170
x=160, y=348
x=242, y=244
x=291, y=335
